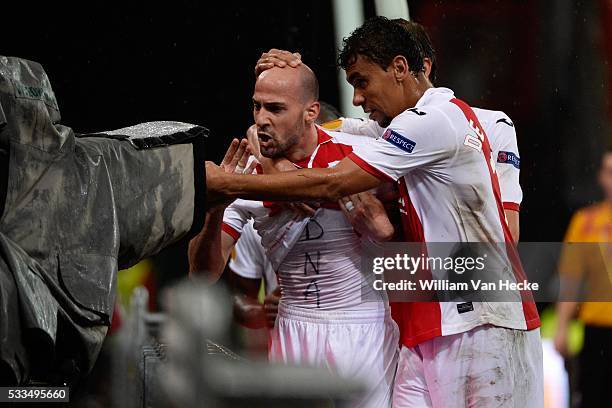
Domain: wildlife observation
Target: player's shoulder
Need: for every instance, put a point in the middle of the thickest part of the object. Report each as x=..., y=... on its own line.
x=430, y=119
x=434, y=104
x=488, y=117
x=345, y=138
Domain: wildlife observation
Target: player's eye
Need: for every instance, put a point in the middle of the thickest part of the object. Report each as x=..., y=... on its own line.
x=273, y=108
x=360, y=83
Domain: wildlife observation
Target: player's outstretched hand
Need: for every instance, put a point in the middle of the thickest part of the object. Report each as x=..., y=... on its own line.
x=277, y=58
x=367, y=215
x=236, y=157
x=235, y=161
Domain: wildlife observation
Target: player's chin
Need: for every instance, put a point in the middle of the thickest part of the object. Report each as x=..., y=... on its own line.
x=383, y=121
x=271, y=153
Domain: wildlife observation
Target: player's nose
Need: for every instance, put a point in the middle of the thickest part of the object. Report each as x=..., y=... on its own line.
x=262, y=119
x=358, y=98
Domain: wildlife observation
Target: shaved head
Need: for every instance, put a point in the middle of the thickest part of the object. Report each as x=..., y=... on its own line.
x=285, y=108
x=300, y=81
x=310, y=84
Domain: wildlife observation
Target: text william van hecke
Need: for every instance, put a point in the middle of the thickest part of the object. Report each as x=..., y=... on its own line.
x=445, y=284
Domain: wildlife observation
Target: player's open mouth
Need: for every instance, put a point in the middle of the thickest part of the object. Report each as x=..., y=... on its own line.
x=371, y=115
x=264, y=139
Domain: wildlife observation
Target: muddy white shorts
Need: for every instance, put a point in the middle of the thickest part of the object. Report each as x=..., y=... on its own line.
x=359, y=345
x=487, y=366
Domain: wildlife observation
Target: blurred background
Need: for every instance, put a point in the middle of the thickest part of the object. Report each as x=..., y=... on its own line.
x=548, y=65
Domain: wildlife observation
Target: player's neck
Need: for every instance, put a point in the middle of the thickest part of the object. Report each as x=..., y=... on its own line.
x=421, y=88
x=413, y=93
x=306, y=146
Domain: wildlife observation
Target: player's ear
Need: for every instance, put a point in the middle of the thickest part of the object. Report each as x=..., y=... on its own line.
x=400, y=67
x=312, y=111
x=427, y=66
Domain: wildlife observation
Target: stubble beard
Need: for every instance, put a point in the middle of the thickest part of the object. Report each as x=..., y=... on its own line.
x=281, y=149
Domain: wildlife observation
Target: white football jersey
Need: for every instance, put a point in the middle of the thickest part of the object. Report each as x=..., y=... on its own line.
x=449, y=193
x=250, y=260
x=502, y=136
x=317, y=259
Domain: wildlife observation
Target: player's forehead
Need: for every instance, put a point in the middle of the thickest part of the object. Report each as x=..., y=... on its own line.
x=264, y=97
x=362, y=67
x=277, y=85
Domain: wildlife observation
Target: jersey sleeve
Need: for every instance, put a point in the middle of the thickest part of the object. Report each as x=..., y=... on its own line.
x=415, y=139
x=248, y=260
x=508, y=162
x=238, y=214
x=362, y=127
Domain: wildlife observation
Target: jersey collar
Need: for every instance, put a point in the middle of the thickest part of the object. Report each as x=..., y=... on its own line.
x=434, y=95
x=322, y=138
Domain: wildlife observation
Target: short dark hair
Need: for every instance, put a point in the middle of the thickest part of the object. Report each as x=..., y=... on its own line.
x=381, y=40
x=420, y=34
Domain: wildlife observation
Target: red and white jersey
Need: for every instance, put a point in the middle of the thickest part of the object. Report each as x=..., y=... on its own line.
x=450, y=193
x=250, y=260
x=502, y=136
x=321, y=268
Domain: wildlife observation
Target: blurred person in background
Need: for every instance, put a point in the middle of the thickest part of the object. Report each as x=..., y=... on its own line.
x=590, y=267
x=327, y=113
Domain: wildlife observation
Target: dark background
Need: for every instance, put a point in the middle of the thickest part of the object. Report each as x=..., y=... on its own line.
x=546, y=64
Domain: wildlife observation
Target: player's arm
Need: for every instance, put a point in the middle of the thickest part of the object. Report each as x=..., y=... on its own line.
x=512, y=217
x=248, y=271
x=371, y=163
x=507, y=167
x=328, y=184
x=209, y=250
x=247, y=309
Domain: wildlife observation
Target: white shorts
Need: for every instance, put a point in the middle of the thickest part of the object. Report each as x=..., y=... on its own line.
x=360, y=345
x=487, y=366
